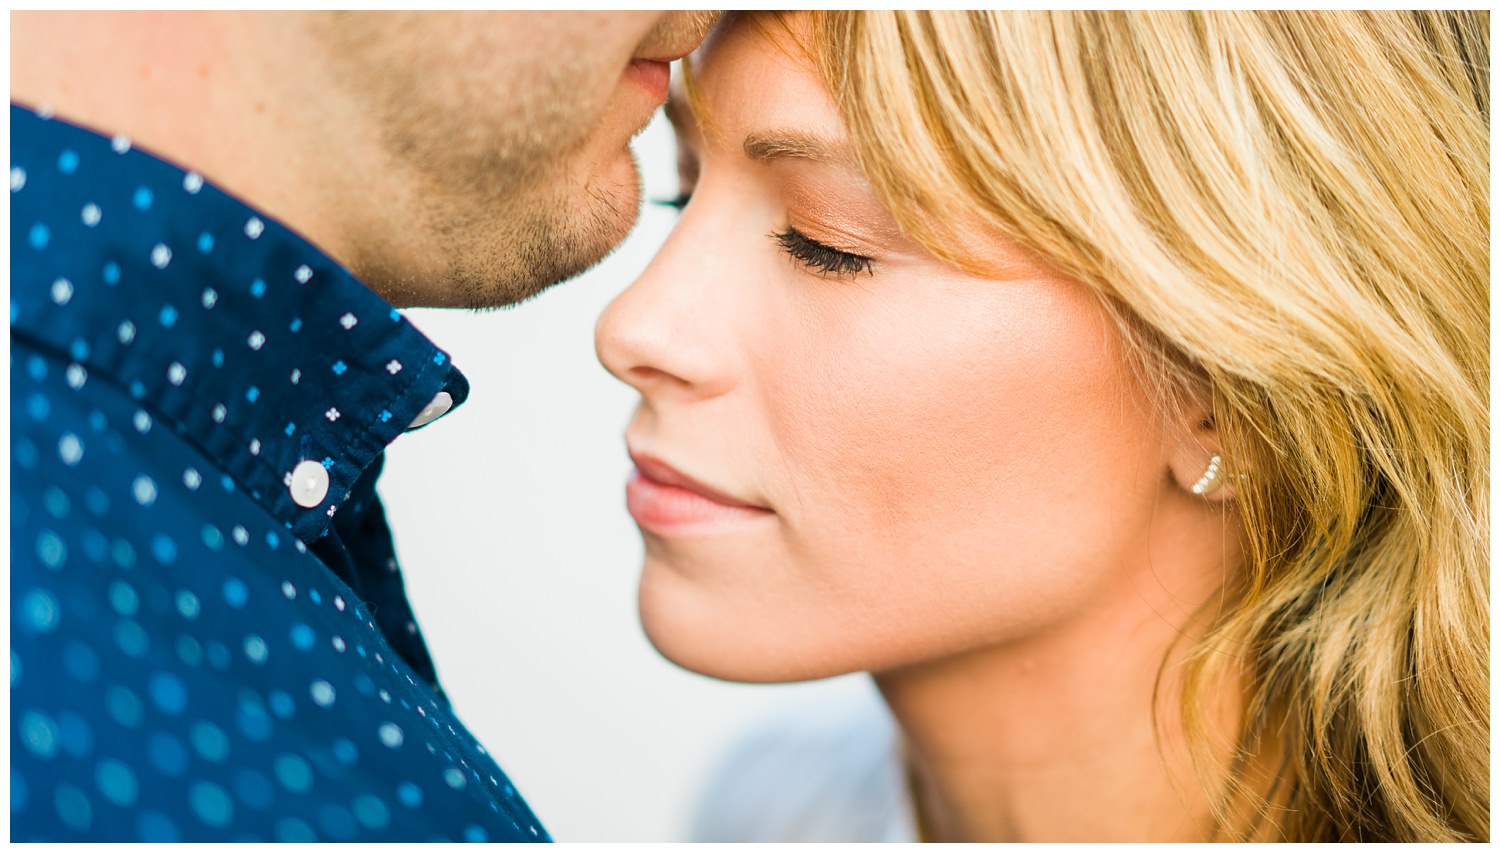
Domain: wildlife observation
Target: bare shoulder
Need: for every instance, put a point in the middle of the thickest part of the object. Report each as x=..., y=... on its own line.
x=822, y=770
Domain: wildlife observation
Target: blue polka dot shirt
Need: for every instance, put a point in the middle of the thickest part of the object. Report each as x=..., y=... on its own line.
x=209, y=635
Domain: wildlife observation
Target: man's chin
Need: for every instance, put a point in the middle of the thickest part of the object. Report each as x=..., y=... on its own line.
x=561, y=239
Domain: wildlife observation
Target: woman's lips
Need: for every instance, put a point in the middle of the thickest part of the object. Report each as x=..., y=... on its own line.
x=663, y=500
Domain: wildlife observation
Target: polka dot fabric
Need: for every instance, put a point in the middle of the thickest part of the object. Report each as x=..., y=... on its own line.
x=195, y=655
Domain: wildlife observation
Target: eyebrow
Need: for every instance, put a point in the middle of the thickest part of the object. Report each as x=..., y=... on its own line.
x=774, y=145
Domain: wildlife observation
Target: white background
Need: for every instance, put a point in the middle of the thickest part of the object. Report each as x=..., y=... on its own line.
x=521, y=563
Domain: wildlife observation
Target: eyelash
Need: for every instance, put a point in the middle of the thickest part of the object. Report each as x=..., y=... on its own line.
x=820, y=258
x=808, y=253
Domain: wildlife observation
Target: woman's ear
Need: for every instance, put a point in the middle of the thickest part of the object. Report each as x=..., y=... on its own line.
x=1197, y=460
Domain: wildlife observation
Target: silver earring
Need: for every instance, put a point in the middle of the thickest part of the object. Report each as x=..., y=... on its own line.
x=1211, y=478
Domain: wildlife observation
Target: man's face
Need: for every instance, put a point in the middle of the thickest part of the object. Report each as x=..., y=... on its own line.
x=502, y=162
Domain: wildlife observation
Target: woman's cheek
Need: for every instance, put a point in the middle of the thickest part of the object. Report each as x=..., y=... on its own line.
x=956, y=449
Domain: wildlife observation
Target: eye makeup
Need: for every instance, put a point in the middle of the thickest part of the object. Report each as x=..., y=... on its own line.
x=820, y=258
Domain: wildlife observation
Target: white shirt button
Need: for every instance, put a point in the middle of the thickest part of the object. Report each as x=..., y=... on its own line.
x=309, y=484
x=434, y=410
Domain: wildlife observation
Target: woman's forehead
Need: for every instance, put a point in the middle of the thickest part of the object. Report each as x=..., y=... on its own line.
x=755, y=74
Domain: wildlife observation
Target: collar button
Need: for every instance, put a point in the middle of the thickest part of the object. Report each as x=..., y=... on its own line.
x=309, y=483
x=434, y=410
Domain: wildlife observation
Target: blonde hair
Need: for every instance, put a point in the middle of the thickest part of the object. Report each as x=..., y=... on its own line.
x=1291, y=211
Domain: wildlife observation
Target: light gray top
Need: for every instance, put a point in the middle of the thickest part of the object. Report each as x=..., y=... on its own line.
x=828, y=771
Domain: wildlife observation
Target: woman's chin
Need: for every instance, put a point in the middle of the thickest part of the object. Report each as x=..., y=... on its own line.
x=710, y=636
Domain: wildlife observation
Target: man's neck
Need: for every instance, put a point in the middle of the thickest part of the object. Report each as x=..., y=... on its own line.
x=180, y=86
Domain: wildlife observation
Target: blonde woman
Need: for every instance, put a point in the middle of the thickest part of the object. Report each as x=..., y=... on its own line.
x=1113, y=388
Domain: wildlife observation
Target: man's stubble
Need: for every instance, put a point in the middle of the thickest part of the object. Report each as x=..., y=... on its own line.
x=499, y=193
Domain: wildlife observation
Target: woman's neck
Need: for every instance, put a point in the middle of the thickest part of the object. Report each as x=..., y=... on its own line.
x=1054, y=739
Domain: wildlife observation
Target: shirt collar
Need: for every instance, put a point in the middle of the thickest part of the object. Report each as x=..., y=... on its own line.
x=225, y=325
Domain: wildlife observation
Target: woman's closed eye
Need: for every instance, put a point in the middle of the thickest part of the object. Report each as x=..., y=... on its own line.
x=820, y=258
x=815, y=256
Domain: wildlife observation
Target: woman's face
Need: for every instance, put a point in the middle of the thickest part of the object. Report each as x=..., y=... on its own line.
x=901, y=461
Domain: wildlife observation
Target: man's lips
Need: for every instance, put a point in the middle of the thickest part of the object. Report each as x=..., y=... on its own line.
x=651, y=66
x=653, y=75
x=659, y=472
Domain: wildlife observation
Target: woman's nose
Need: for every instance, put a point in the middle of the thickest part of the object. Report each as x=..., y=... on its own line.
x=668, y=332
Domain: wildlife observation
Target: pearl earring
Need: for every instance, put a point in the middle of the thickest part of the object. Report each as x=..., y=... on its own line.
x=1211, y=478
